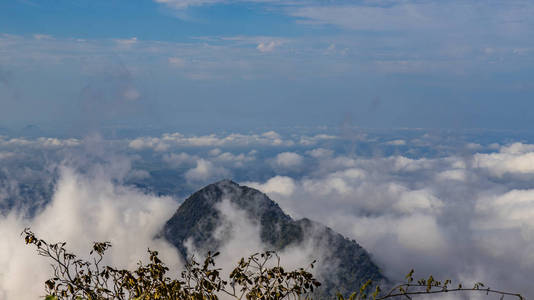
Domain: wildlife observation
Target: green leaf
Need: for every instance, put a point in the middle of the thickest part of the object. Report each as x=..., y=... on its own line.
x=51, y=297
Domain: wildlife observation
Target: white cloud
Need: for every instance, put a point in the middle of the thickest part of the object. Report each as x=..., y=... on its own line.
x=240, y=237
x=273, y=135
x=416, y=16
x=215, y=152
x=320, y=152
x=84, y=208
x=397, y=143
x=417, y=200
x=148, y=143
x=405, y=164
x=43, y=37
x=437, y=215
x=177, y=160
x=361, y=17
x=231, y=140
x=512, y=159
x=513, y=209
x=443, y=214
x=42, y=142
x=126, y=42
x=234, y=160
x=267, y=46
x=205, y=170
x=473, y=146
x=454, y=174
x=281, y=185
x=4, y=155
x=420, y=233
x=312, y=140
x=138, y=174
x=288, y=160
x=182, y=4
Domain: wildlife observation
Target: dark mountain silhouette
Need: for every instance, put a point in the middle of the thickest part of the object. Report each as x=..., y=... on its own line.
x=343, y=264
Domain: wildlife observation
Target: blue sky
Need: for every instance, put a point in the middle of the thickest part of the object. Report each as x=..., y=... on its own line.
x=204, y=65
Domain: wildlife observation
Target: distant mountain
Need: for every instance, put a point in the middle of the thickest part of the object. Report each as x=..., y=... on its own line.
x=346, y=265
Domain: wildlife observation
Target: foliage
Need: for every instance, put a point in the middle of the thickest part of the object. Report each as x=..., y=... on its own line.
x=429, y=286
x=260, y=276
x=253, y=278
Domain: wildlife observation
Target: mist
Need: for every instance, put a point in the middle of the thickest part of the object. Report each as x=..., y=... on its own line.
x=467, y=218
x=84, y=208
x=458, y=208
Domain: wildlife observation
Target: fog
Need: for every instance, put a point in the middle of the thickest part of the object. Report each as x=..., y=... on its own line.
x=84, y=208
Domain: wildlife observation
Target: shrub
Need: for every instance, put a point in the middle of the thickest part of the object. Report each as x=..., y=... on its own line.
x=260, y=276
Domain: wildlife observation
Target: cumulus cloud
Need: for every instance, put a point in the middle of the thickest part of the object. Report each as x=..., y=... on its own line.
x=512, y=209
x=204, y=171
x=84, y=208
x=453, y=174
x=281, y=185
x=320, y=152
x=42, y=142
x=396, y=143
x=437, y=215
x=168, y=140
x=215, y=152
x=148, y=143
x=288, y=160
x=234, y=160
x=450, y=213
x=176, y=160
x=313, y=140
x=517, y=158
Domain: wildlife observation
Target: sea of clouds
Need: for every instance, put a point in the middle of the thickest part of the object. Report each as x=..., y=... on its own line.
x=453, y=205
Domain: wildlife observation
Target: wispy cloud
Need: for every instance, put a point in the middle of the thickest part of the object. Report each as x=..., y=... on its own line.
x=43, y=37
x=182, y=4
x=176, y=62
x=267, y=46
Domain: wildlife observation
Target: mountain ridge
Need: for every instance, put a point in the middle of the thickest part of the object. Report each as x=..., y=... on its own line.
x=197, y=218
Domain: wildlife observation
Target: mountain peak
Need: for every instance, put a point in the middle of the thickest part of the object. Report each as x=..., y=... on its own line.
x=199, y=216
x=253, y=201
x=226, y=182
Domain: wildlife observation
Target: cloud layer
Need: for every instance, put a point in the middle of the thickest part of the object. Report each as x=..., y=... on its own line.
x=459, y=207
x=451, y=216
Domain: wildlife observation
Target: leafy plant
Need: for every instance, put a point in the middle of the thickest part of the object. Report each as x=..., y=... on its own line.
x=260, y=276
x=254, y=278
x=428, y=286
